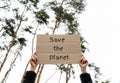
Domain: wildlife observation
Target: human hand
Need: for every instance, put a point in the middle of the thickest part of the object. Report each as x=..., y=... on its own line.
x=33, y=62
x=83, y=64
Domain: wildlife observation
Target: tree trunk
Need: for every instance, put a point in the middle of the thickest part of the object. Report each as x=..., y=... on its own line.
x=40, y=69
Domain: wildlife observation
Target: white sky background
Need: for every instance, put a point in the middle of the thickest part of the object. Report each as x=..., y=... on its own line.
x=99, y=24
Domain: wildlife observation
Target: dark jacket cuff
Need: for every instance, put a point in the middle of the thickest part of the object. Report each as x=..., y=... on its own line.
x=30, y=75
x=85, y=78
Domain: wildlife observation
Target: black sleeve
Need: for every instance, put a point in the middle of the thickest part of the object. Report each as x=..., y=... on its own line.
x=85, y=78
x=29, y=77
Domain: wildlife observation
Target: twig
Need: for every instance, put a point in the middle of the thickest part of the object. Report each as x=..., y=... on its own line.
x=57, y=22
x=39, y=73
x=60, y=76
x=11, y=66
x=1, y=29
x=4, y=6
x=51, y=76
x=34, y=37
x=68, y=72
x=2, y=32
x=39, y=66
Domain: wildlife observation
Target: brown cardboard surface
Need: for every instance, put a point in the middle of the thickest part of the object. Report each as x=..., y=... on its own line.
x=58, y=38
x=58, y=49
x=44, y=58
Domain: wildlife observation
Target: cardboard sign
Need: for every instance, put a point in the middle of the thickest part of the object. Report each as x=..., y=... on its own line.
x=58, y=49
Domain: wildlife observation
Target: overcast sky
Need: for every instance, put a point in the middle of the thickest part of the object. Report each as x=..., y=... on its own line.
x=101, y=28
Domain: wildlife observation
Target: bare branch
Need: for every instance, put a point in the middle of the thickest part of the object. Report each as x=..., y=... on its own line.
x=60, y=76
x=4, y=6
x=39, y=73
x=69, y=66
x=1, y=29
x=34, y=37
x=57, y=22
x=12, y=41
x=51, y=76
x=32, y=50
x=12, y=63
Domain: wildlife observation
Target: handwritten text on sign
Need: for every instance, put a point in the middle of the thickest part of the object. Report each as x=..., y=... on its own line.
x=58, y=49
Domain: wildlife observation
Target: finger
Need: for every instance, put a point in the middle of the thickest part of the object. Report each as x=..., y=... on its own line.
x=81, y=59
x=85, y=62
x=33, y=61
x=32, y=64
x=35, y=53
x=35, y=56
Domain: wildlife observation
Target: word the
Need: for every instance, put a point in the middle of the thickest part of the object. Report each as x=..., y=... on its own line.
x=57, y=48
x=52, y=39
x=58, y=57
